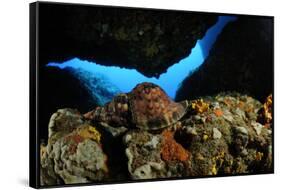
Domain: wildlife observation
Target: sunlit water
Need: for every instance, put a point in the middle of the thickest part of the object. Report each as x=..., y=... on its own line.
x=127, y=79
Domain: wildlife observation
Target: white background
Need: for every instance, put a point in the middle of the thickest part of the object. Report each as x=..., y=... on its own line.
x=14, y=73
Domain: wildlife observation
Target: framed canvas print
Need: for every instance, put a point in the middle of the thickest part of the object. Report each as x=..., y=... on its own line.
x=121, y=94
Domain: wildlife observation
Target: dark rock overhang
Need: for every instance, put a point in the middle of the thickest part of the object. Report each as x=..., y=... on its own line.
x=241, y=60
x=149, y=41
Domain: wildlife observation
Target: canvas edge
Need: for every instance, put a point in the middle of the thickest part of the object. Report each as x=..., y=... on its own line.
x=34, y=156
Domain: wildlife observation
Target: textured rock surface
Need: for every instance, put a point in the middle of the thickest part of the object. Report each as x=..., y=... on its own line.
x=63, y=122
x=224, y=140
x=241, y=60
x=155, y=156
x=149, y=41
x=218, y=135
x=144, y=158
x=72, y=156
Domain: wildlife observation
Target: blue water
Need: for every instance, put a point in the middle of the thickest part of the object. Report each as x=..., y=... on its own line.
x=127, y=79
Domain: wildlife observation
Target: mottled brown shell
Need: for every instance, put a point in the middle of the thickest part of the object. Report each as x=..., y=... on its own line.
x=114, y=113
x=152, y=109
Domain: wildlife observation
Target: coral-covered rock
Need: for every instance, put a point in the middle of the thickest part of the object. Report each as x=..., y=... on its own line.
x=74, y=153
x=144, y=157
x=78, y=160
x=171, y=150
x=226, y=138
x=265, y=115
x=63, y=122
x=48, y=175
x=199, y=106
x=217, y=135
x=155, y=155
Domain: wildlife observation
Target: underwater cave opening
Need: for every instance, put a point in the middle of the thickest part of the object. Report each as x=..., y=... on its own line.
x=126, y=79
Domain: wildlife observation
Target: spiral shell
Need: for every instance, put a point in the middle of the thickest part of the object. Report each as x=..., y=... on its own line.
x=152, y=108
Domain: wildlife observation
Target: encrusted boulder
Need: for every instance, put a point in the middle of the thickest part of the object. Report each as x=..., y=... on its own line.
x=152, y=156
x=143, y=153
x=226, y=138
x=63, y=122
x=74, y=153
x=217, y=135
